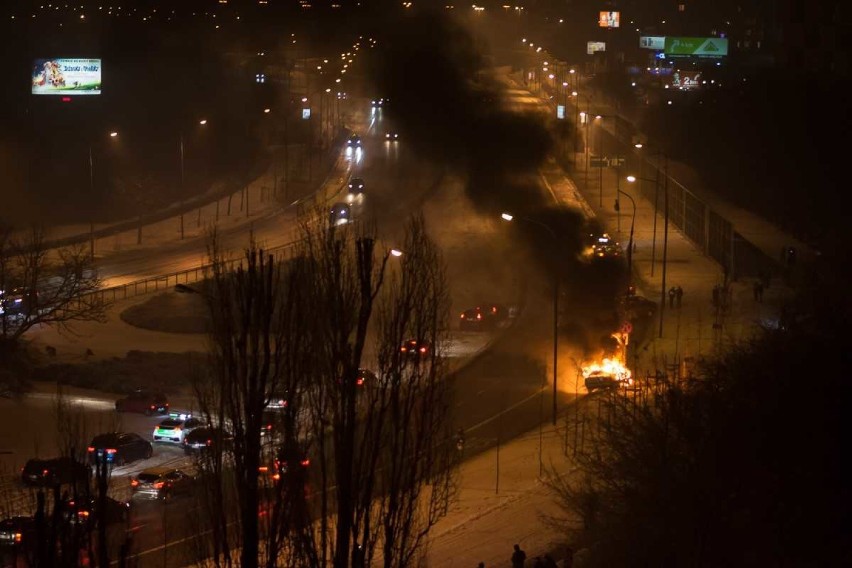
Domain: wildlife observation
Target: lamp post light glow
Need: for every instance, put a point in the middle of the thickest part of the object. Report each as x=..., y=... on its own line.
x=510, y=217
x=396, y=252
x=665, y=228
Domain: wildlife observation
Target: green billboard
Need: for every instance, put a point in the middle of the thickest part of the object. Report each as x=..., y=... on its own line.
x=696, y=47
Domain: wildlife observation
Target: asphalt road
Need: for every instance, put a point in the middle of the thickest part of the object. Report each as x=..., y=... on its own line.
x=499, y=394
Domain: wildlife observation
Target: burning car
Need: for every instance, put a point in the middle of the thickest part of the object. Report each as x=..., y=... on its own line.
x=608, y=374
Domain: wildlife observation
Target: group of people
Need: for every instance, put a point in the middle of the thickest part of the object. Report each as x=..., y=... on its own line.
x=675, y=296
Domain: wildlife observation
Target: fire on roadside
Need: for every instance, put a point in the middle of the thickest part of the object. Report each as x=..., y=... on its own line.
x=609, y=367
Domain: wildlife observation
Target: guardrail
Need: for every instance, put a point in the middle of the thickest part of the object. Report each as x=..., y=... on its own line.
x=164, y=282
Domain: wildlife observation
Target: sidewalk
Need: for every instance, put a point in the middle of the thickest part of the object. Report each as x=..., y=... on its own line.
x=502, y=501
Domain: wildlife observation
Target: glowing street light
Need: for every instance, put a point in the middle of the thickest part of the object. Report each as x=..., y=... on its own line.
x=510, y=217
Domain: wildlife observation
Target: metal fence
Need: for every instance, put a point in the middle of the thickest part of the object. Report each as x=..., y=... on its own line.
x=167, y=281
x=709, y=230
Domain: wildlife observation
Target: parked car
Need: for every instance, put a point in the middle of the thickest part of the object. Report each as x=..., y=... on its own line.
x=54, y=471
x=278, y=400
x=144, y=402
x=162, y=483
x=636, y=307
x=173, y=429
x=207, y=439
x=17, y=533
x=119, y=448
x=602, y=381
x=84, y=513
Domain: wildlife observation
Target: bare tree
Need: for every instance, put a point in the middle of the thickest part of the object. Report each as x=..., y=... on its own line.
x=382, y=464
x=40, y=286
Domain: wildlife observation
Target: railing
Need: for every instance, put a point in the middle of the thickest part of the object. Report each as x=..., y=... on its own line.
x=164, y=282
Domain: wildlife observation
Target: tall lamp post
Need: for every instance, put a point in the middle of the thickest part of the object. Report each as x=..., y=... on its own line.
x=510, y=217
x=632, y=225
x=665, y=229
x=112, y=134
x=201, y=122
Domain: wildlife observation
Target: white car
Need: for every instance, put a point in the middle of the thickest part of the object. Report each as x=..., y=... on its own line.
x=173, y=429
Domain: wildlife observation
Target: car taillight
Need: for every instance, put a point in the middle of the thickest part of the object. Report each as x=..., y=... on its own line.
x=134, y=483
x=111, y=450
x=209, y=442
x=83, y=514
x=359, y=381
x=276, y=476
x=263, y=469
x=153, y=406
x=306, y=462
x=90, y=449
x=423, y=350
x=45, y=471
x=18, y=537
x=269, y=426
x=478, y=316
x=159, y=485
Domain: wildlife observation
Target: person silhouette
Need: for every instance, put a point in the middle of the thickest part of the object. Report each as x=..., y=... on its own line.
x=519, y=557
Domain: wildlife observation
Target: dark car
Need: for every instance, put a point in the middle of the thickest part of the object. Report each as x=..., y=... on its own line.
x=603, y=381
x=85, y=512
x=144, y=402
x=54, y=471
x=119, y=448
x=207, y=440
x=162, y=483
x=415, y=348
x=340, y=214
x=392, y=136
x=636, y=307
x=17, y=532
x=486, y=315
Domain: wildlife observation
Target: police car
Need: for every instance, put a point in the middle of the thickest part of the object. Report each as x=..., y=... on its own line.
x=173, y=429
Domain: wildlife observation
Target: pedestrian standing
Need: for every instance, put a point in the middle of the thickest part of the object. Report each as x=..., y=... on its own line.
x=672, y=294
x=679, y=295
x=519, y=557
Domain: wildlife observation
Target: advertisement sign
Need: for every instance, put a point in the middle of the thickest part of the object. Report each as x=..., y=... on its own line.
x=560, y=111
x=66, y=77
x=594, y=46
x=609, y=19
x=306, y=113
x=652, y=42
x=686, y=80
x=696, y=47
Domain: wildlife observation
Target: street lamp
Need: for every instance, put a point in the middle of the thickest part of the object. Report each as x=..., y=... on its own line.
x=510, y=217
x=632, y=225
x=665, y=230
x=201, y=122
x=112, y=134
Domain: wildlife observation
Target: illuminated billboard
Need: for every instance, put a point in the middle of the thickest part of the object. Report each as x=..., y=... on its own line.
x=696, y=47
x=66, y=77
x=595, y=46
x=686, y=81
x=609, y=19
x=652, y=42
